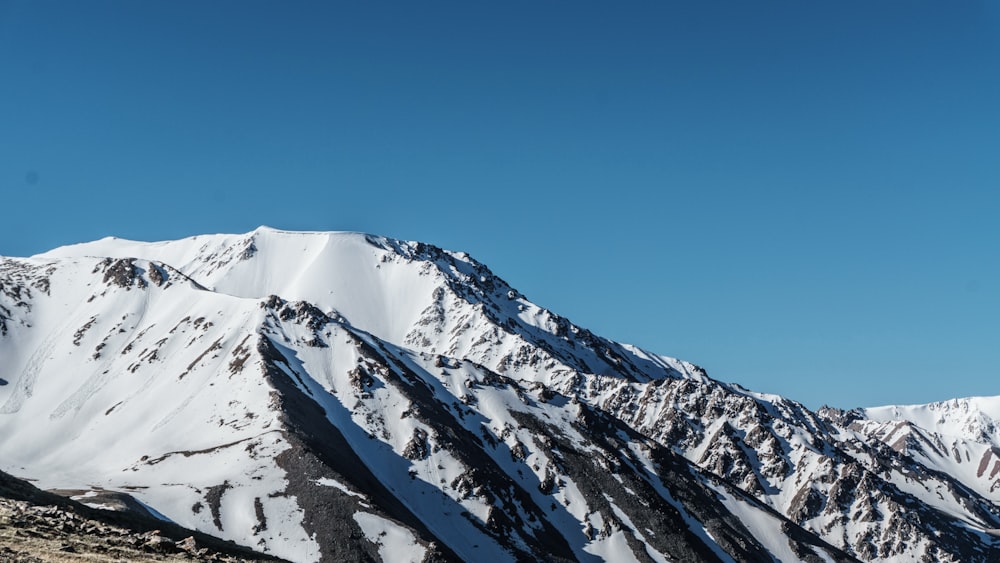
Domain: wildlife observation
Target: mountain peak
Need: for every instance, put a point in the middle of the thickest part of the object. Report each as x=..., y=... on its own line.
x=343, y=396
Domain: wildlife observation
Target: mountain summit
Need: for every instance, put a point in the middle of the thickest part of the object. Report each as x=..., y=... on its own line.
x=341, y=396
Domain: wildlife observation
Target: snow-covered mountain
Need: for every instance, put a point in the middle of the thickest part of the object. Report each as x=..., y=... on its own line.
x=340, y=396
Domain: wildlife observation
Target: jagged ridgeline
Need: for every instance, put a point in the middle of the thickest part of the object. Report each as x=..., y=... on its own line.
x=345, y=397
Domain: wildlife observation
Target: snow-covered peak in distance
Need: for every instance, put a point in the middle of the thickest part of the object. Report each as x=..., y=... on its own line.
x=407, y=293
x=958, y=437
x=972, y=417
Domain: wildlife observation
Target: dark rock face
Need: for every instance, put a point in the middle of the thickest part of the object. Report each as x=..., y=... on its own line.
x=319, y=450
x=122, y=273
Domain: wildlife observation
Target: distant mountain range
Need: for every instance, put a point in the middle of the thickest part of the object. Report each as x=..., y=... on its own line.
x=325, y=396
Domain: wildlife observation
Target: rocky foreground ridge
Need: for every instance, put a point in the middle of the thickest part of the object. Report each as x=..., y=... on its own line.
x=41, y=527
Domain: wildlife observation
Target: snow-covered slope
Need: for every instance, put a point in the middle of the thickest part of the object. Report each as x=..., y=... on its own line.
x=340, y=396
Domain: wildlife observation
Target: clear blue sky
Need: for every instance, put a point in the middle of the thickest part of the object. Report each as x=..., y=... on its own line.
x=802, y=197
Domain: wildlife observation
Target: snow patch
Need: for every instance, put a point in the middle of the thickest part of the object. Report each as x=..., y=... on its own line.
x=395, y=543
